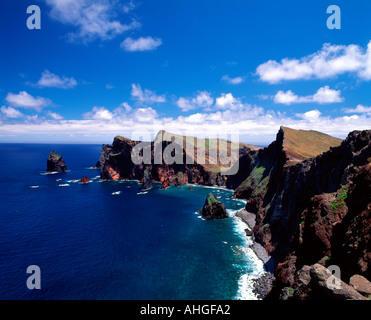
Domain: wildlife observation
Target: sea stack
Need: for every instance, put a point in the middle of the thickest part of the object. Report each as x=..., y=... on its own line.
x=213, y=209
x=84, y=180
x=55, y=163
x=147, y=179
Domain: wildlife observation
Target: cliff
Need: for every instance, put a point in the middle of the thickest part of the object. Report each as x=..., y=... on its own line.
x=310, y=194
x=55, y=163
x=315, y=210
x=180, y=160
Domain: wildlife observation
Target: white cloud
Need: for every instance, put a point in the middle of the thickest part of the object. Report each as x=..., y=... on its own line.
x=140, y=44
x=146, y=96
x=330, y=61
x=288, y=98
x=359, y=109
x=234, y=81
x=322, y=96
x=98, y=113
x=10, y=112
x=25, y=100
x=125, y=107
x=311, y=116
x=252, y=123
x=51, y=80
x=54, y=115
x=202, y=100
x=327, y=95
x=145, y=115
x=94, y=19
x=228, y=101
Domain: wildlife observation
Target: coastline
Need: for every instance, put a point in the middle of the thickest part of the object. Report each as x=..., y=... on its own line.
x=263, y=284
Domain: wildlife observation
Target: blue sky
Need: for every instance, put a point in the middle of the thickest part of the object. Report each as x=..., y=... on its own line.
x=106, y=67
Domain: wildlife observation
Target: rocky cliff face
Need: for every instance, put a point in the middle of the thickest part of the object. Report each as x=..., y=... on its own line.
x=55, y=163
x=310, y=193
x=313, y=211
x=116, y=161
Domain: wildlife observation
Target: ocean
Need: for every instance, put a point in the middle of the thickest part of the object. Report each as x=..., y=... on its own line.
x=109, y=240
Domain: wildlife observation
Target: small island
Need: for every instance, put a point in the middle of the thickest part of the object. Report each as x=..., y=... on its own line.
x=213, y=209
x=56, y=163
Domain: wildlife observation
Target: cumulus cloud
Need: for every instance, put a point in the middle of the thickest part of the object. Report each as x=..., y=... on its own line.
x=10, y=112
x=234, y=81
x=140, y=44
x=322, y=96
x=228, y=101
x=146, y=96
x=145, y=115
x=54, y=115
x=202, y=100
x=359, y=109
x=311, y=116
x=330, y=61
x=93, y=19
x=27, y=101
x=51, y=80
x=98, y=113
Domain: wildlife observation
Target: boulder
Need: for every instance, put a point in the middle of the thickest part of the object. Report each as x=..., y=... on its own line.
x=213, y=209
x=321, y=290
x=361, y=284
x=55, y=163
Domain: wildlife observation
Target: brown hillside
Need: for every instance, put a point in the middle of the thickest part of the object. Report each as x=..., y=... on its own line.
x=303, y=144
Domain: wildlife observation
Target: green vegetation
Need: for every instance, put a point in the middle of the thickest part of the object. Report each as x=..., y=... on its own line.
x=261, y=187
x=211, y=199
x=291, y=291
x=326, y=258
x=254, y=178
x=55, y=155
x=340, y=199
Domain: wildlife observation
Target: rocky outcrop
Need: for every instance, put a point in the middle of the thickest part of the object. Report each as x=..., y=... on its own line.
x=321, y=286
x=213, y=209
x=84, y=180
x=171, y=159
x=361, y=284
x=313, y=211
x=147, y=179
x=55, y=163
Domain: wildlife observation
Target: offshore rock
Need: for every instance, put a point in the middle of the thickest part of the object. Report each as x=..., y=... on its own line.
x=147, y=179
x=213, y=209
x=84, y=180
x=55, y=163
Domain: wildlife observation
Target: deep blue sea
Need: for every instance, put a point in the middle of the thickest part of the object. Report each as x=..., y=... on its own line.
x=92, y=244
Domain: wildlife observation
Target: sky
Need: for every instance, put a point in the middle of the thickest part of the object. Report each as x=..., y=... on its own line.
x=97, y=69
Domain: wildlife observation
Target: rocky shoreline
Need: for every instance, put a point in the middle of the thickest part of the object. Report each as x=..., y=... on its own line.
x=264, y=284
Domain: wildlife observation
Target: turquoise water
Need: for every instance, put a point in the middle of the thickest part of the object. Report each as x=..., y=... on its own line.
x=108, y=240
